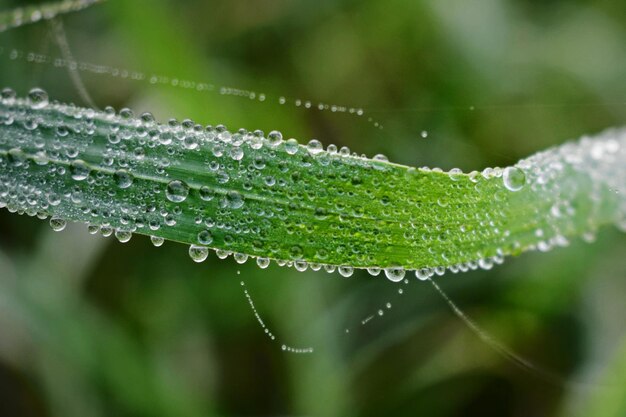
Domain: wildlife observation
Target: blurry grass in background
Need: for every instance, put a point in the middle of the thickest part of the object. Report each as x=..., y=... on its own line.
x=92, y=327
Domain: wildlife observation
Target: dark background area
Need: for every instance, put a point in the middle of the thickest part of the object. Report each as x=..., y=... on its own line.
x=93, y=327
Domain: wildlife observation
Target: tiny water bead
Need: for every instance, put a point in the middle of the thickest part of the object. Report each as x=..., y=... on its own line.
x=177, y=191
x=157, y=241
x=514, y=178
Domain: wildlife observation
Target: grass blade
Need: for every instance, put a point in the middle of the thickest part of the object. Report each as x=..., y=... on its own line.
x=244, y=193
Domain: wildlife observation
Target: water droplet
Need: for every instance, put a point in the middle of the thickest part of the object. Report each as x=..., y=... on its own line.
x=198, y=253
x=423, y=273
x=291, y=146
x=263, y=262
x=275, y=138
x=123, y=178
x=177, y=191
x=157, y=241
x=236, y=153
x=206, y=193
x=233, y=200
x=455, y=174
x=424, y=134
x=123, y=236
x=7, y=96
x=345, y=271
x=79, y=170
x=314, y=147
x=240, y=258
x=395, y=274
x=37, y=98
x=126, y=114
x=514, y=178
x=373, y=271
x=205, y=237
x=57, y=224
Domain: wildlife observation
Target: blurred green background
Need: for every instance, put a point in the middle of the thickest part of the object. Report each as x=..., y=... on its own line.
x=93, y=327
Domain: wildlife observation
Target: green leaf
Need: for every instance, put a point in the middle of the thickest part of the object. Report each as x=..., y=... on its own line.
x=254, y=195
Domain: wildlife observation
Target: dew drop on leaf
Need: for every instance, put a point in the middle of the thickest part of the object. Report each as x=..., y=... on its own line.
x=123, y=236
x=263, y=262
x=513, y=178
x=123, y=178
x=275, y=138
x=57, y=224
x=79, y=170
x=177, y=191
x=395, y=274
x=198, y=253
x=314, y=146
x=37, y=98
x=345, y=271
x=205, y=237
x=291, y=146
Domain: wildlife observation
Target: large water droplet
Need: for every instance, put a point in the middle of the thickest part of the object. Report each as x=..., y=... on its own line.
x=233, y=200
x=263, y=262
x=373, y=271
x=395, y=274
x=79, y=170
x=205, y=237
x=345, y=271
x=424, y=273
x=57, y=224
x=123, y=236
x=37, y=98
x=314, y=146
x=157, y=240
x=275, y=138
x=514, y=178
x=206, y=193
x=198, y=253
x=177, y=191
x=291, y=146
x=123, y=178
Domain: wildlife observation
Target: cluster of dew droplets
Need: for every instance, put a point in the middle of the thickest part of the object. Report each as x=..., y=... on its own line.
x=266, y=330
x=252, y=195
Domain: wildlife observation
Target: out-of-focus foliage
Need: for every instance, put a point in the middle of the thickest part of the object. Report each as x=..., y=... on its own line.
x=91, y=327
